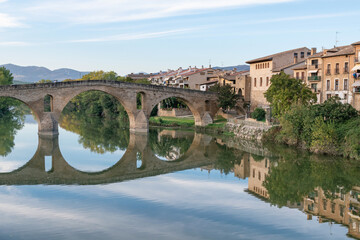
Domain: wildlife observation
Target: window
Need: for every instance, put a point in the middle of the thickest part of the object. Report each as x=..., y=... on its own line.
x=254, y=173
x=328, y=69
x=328, y=96
x=336, y=84
x=308, y=53
x=324, y=204
x=295, y=55
x=261, y=82
x=302, y=75
x=267, y=81
x=202, y=73
x=333, y=207
x=297, y=75
x=302, y=55
x=254, y=82
x=314, y=86
x=342, y=210
x=345, y=84
x=346, y=67
x=259, y=176
x=345, y=96
x=328, y=85
x=337, y=68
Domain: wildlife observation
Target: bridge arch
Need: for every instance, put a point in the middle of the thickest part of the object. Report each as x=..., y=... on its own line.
x=189, y=103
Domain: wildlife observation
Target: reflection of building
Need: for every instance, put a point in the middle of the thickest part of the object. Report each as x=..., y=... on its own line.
x=354, y=212
x=258, y=172
x=242, y=170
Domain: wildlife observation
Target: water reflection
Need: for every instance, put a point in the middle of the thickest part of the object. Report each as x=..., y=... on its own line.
x=322, y=189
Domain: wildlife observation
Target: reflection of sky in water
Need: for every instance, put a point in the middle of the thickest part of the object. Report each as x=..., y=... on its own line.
x=191, y=204
x=26, y=143
x=83, y=159
x=186, y=205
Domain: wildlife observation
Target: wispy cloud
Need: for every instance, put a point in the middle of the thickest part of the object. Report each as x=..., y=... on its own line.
x=7, y=21
x=106, y=11
x=14, y=44
x=134, y=36
x=309, y=17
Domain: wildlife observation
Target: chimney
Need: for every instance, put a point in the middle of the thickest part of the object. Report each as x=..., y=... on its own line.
x=209, y=65
x=313, y=51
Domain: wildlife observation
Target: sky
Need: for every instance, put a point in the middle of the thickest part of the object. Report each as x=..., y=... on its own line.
x=150, y=35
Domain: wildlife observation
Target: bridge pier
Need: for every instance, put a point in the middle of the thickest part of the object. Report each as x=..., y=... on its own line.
x=48, y=124
x=139, y=123
x=203, y=120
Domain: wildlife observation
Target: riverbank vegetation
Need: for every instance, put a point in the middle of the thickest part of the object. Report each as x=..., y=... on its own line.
x=330, y=128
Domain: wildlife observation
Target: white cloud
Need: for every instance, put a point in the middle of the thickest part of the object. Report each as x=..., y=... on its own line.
x=106, y=11
x=135, y=36
x=7, y=21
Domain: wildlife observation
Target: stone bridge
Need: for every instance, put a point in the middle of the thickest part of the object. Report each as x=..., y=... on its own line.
x=203, y=105
x=201, y=153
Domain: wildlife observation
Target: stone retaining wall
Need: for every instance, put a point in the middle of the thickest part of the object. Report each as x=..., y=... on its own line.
x=175, y=112
x=245, y=129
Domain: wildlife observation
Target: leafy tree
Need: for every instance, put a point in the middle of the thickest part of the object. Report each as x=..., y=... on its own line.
x=6, y=77
x=226, y=96
x=332, y=110
x=259, y=114
x=286, y=91
x=45, y=81
x=101, y=75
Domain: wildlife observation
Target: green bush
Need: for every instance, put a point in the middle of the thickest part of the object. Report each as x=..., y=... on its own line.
x=259, y=114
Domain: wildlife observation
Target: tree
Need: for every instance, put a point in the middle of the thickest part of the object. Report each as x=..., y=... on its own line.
x=6, y=77
x=286, y=91
x=226, y=96
x=259, y=114
x=45, y=81
x=101, y=75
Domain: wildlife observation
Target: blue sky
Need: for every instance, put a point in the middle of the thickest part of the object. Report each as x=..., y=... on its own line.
x=148, y=35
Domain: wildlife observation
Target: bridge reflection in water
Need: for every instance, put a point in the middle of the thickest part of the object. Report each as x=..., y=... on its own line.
x=202, y=152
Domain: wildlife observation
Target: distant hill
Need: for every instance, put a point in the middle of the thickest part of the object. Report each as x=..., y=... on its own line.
x=238, y=68
x=33, y=74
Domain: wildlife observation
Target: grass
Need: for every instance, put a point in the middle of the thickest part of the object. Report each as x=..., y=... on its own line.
x=172, y=121
x=219, y=122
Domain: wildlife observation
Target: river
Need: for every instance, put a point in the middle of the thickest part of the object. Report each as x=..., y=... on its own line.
x=105, y=183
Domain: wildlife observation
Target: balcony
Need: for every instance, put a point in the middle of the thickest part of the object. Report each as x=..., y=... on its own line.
x=314, y=66
x=337, y=71
x=328, y=72
x=314, y=78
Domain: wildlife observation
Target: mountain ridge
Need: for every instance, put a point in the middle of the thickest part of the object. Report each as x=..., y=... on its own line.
x=31, y=74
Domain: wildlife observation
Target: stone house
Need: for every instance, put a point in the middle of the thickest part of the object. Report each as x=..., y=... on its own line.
x=262, y=69
x=239, y=81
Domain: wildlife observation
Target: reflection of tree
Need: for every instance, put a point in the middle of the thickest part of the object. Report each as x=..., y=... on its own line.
x=11, y=119
x=98, y=134
x=227, y=158
x=169, y=147
x=297, y=174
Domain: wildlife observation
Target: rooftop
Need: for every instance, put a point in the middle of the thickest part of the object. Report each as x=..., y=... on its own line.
x=270, y=57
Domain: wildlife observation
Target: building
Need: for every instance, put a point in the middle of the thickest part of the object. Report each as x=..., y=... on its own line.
x=355, y=74
x=311, y=73
x=262, y=69
x=239, y=81
x=140, y=76
x=192, y=78
x=337, y=64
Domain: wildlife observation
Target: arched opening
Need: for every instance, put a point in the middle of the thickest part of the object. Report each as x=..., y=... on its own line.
x=173, y=112
x=48, y=103
x=140, y=100
x=207, y=105
x=97, y=125
x=18, y=134
x=240, y=92
x=170, y=145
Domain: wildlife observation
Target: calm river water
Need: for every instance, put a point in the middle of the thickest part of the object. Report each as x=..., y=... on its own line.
x=106, y=183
